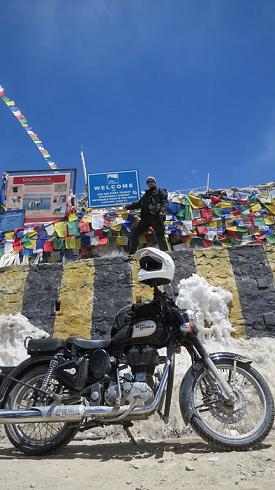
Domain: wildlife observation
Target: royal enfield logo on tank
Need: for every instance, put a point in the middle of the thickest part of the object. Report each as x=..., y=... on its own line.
x=144, y=329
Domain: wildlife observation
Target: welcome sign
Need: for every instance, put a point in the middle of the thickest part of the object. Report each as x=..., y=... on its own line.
x=110, y=189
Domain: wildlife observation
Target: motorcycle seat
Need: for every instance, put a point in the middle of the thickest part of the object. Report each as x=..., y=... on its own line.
x=45, y=345
x=88, y=344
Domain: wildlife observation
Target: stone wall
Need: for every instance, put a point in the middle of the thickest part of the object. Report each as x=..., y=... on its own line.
x=80, y=298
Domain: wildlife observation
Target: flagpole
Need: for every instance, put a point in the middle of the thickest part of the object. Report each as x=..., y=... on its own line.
x=208, y=182
x=84, y=170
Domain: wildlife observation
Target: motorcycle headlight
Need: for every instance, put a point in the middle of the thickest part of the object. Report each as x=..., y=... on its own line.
x=188, y=321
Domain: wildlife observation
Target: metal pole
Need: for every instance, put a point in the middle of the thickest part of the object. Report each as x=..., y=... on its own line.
x=84, y=170
x=208, y=182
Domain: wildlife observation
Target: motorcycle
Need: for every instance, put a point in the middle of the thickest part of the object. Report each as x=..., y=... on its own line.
x=72, y=385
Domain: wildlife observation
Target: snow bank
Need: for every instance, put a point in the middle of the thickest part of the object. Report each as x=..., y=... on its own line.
x=13, y=330
x=210, y=304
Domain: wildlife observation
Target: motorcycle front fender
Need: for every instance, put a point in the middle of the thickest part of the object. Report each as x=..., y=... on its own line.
x=17, y=372
x=230, y=355
x=188, y=380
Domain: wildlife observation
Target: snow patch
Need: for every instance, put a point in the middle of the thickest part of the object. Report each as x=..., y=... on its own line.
x=13, y=331
x=210, y=304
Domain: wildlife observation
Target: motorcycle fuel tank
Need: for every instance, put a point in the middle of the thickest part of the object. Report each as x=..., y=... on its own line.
x=144, y=328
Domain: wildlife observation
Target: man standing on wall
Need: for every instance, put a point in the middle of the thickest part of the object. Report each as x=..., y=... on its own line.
x=153, y=205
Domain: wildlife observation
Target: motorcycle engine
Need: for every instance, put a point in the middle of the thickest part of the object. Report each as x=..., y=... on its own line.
x=143, y=360
x=139, y=385
x=141, y=393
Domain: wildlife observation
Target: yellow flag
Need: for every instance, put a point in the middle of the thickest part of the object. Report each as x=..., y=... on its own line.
x=224, y=204
x=72, y=243
x=116, y=227
x=72, y=217
x=269, y=220
x=271, y=208
x=61, y=228
x=121, y=240
x=256, y=207
x=123, y=214
x=214, y=224
x=9, y=235
x=195, y=201
x=32, y=234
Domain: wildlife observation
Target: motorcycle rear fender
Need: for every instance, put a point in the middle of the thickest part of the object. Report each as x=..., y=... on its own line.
x=18, y=372
x=187, y=382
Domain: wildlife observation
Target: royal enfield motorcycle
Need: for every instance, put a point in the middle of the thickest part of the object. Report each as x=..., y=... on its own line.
x=72, y=385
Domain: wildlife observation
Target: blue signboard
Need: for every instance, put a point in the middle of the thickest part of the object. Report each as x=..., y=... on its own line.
x=110, y=189
x=10, y=220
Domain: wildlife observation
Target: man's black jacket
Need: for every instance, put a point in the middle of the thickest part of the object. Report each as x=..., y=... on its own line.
x=153, y=202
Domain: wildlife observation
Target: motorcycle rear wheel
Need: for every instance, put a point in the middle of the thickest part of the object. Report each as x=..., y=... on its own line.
x=223, y=426
x=40, y=438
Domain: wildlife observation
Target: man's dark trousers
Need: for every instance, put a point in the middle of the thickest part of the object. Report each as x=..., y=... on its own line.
x=150, y=220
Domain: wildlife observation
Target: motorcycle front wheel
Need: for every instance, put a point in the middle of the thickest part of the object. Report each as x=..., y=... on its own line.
x=228, y=426
x=40, y=438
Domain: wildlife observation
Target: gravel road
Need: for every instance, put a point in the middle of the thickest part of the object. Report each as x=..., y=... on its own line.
x=170, y=464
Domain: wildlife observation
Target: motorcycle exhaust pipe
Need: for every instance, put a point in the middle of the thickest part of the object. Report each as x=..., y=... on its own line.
x=76, y=413
x=62, y=413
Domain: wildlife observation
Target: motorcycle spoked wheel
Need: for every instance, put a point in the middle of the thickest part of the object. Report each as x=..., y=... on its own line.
x=223, y=426
x=38, y=438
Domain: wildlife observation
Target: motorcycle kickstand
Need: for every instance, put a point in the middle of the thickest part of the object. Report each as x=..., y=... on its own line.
x=129, y=434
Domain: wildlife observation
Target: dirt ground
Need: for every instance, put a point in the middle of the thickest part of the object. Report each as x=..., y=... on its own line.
x=172, y=463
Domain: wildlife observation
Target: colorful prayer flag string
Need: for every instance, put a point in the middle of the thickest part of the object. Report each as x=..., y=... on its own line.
x=23, y=121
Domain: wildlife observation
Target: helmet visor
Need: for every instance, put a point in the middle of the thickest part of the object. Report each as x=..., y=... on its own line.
x=148, y=263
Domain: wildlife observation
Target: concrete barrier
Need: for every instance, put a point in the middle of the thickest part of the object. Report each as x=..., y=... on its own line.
x=81, y=298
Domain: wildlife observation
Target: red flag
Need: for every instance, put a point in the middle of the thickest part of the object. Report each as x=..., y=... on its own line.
x=215, y=199
x=207, y=243
x=206, y=213
x=202, y=230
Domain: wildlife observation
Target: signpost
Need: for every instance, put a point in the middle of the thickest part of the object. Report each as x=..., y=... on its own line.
x=43, y=196
x=10, y=220
x=110, y=189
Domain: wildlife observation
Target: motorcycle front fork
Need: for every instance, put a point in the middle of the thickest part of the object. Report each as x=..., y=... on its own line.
x=224, y=386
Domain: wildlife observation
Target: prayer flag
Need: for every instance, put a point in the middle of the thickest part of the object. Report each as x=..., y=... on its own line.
x=195, y=201
x=60, y=228
x=206, y=213
x=202, y=230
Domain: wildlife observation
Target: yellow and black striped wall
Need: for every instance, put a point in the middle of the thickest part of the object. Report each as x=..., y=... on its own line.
x=81, y=298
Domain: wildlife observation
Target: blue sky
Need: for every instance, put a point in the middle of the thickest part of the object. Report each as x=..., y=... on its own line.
x=174, y=88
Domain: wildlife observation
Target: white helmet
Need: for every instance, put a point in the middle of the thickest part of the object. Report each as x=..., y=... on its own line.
x=156, y=266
